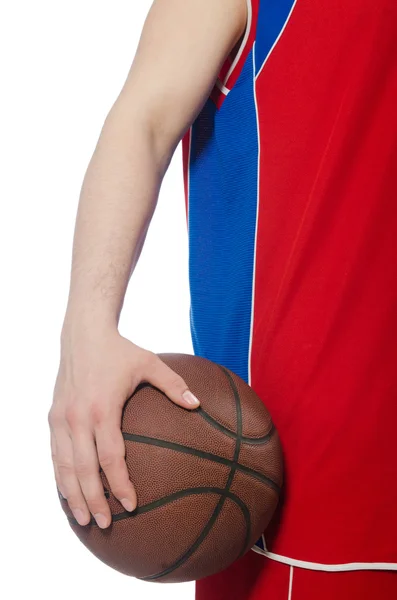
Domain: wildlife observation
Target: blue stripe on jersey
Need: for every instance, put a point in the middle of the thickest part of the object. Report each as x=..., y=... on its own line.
x=222, y=222
x=272, y=17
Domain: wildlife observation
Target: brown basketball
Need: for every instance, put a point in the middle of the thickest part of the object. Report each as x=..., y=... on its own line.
x=207, y=480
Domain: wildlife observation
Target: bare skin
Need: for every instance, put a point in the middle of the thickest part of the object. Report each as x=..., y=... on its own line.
x=182, y=48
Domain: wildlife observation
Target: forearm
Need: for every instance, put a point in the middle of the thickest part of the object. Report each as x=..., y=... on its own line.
x=117, y=201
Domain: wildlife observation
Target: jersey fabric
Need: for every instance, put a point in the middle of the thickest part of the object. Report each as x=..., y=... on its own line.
x=271, y=580
x=290, y=174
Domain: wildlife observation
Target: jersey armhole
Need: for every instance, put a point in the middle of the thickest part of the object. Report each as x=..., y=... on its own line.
x=231, y=70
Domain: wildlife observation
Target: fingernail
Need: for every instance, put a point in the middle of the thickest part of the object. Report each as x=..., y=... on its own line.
x=127, y=504
x=101, y=520
x=79, y=516
x=190, y=398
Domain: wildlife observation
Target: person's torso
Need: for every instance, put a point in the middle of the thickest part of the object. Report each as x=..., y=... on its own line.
x=291, y=192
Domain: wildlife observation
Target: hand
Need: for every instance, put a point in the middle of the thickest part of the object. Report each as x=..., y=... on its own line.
x=97, y=374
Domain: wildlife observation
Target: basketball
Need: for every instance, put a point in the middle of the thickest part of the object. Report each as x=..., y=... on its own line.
x=207, y=480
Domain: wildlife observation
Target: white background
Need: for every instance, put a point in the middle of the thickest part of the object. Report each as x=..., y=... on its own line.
x=62, y=66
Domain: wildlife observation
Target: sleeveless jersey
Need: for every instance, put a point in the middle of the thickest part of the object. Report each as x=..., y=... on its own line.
x=290, y=174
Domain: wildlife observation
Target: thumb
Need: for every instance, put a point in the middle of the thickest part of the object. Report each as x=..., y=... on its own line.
x=165, y=379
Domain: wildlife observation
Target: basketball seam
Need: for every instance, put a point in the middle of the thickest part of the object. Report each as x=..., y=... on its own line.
x=225, y=494
x=245, y=439
x=140, y=510
x=142, y=439
x=200, y=411
x=239, y=427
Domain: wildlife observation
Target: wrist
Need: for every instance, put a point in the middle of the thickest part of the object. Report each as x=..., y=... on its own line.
x=88, y=322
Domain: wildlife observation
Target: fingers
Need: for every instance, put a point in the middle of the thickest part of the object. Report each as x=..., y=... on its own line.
x=76, y=469
x=111, y=453
x=67, y=481
x=86, y=467
x=165, y=379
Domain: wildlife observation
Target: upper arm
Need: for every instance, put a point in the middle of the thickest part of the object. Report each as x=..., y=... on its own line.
x=182, y=48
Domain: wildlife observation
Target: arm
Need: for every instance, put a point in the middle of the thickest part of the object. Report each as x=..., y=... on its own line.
x=156, y=106
x=99, y=369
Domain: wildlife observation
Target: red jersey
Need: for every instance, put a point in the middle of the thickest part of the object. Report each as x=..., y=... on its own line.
x=291, y=196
